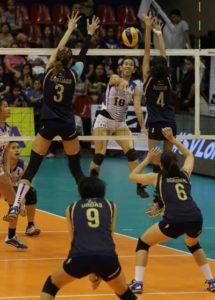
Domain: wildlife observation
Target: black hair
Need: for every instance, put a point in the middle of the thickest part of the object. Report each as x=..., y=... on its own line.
x=64, y=54
x=169, y=162
x=91, y=187
x=176, y=12
x=158, y=68
x=128, y=58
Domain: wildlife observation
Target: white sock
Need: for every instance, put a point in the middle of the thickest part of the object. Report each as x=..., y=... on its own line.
x=139, y=272
x=21, y=192
x=207, y=271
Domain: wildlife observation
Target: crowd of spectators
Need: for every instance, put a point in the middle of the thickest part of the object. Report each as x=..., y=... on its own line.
x=21, y=76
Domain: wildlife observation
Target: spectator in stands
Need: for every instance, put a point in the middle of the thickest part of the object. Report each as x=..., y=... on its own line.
x=187, y=85
x=88, y=7
x=14, y=63
x=6, y=38
x=5, y=83
x=98, y=82
x=47, y=39
x=181, y=35
x=110, y=41
x=26, y=79
x=38, y=63
x=16, y=98
x=12, y=17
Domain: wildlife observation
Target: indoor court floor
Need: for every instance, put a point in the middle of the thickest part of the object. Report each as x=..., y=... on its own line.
x=171, y=273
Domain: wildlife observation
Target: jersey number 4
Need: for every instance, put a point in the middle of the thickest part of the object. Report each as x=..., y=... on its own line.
x=58, y=97
x=160, y=99
x=92, y=217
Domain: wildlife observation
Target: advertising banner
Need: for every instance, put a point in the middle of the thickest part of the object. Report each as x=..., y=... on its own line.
x=22, y=122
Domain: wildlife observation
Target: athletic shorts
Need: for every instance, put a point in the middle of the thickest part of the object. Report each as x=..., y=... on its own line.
x=174, y=230
x=55, y=127
x=155, y=133
x=105, y=266
x=109, y=124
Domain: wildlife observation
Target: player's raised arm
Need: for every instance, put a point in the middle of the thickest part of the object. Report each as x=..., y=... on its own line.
x=72, y=22
x=158, y=31
x=146, y=60
x=189, y=158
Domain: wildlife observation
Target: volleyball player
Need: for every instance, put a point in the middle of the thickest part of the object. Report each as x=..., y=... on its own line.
x=56, y=115
x=181, y=214
x=91, y=222
x=111, y=120
x=158, y=94
x=17, y=168
x=6, y=187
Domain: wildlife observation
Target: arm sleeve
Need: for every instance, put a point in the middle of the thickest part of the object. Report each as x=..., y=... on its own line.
x=78, y=68
x=83, y=52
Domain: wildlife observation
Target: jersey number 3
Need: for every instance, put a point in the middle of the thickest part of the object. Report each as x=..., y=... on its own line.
x=92, y=217
x=59, y=88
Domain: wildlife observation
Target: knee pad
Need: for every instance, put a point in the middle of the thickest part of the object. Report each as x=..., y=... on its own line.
x=50, y=288
x=131, y=155
x=128, y=295
x=33, y=166
x=142, y=245
x=194, y=248
x=31, y=197
x=98, y=159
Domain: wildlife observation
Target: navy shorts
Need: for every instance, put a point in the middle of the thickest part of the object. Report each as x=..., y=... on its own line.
x=155, y=130
x=193, y=229
x=55, y=127
x=105, y=266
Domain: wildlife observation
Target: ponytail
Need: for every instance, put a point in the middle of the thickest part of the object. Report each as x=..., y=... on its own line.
x=173, y=170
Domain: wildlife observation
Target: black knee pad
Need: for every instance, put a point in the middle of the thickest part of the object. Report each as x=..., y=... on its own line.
x=33, y=166
x=50, y=288
x=128, y=295
x=98, y=159
x=194, y=248
x=142, y=245
x=131, y=155
x=31, y=197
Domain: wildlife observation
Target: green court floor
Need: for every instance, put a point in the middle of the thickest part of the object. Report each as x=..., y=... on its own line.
x=56, y=190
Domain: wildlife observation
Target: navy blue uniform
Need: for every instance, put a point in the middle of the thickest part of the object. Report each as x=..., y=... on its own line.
x=160, y=107
x=57, y=116
x=181, y=214
x=92, y=248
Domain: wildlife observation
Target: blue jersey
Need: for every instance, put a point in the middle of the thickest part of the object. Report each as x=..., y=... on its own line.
x=92, y=219
x=159, y=102
x=5, y=131
x=175, y=193
x=58, y=95
x=17, y=172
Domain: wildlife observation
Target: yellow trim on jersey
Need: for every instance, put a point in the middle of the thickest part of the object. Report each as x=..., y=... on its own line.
x=147, y=84
x=49, y=71
x=110, y=206
x=160, y=191
x=72, y=214
x=73, y=74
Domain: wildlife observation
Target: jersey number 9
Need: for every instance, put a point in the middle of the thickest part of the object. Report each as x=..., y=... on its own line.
x=92, y=217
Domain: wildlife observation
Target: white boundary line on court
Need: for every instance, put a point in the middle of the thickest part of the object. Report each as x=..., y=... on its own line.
x=109, y=295
x=131, y=237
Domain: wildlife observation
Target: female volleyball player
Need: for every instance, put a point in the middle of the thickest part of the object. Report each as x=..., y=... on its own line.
x=57, y=116
x=17, y=168
x=111, y=120
x=91, y=222
x=6, y=187
x=181, y=214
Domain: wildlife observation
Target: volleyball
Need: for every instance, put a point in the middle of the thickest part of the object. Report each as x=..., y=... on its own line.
x=131, y=36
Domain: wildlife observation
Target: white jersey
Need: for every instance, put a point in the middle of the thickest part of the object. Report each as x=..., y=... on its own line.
x=117, y=100
x=5, y=131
